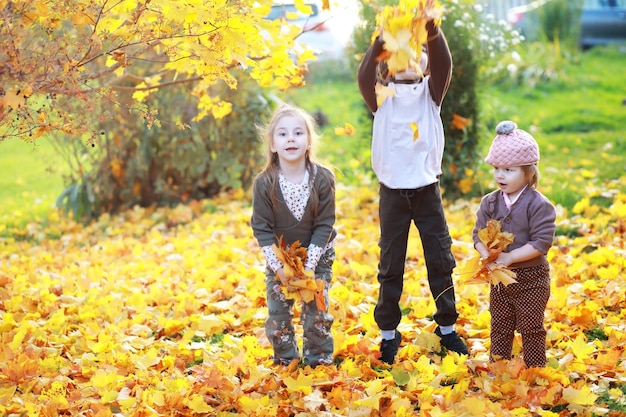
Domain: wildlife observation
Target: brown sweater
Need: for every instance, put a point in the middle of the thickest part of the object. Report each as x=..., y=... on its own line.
x=531, y=219
x=269, y=223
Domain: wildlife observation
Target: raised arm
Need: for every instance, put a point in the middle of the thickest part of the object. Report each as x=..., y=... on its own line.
x=440, y=61
x=366, y=74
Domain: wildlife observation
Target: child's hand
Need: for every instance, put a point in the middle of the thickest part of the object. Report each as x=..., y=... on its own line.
x=505, y=259
x=281, y=276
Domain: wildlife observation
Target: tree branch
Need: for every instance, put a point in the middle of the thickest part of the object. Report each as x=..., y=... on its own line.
x=157, y=86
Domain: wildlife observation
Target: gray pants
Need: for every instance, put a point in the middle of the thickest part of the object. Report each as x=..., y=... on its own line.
x=317, y=340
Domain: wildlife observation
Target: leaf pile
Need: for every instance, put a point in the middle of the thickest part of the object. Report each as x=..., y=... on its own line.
x=161, y=312
x=297, y=283
x=486, y=270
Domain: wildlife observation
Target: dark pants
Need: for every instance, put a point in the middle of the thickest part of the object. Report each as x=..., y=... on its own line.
x=423, y=206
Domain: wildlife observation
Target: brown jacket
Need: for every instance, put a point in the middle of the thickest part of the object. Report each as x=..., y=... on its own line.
x=531, y=219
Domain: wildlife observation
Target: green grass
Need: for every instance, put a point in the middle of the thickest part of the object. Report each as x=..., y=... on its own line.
x=30, y=182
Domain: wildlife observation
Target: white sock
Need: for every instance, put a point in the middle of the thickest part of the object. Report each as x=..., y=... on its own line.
x=388, y=334
x=446, y=329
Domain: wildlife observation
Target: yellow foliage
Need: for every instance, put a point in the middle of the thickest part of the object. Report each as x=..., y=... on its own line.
x=346, y=130
x=80, y=46
x=383, y=92
x=297, y=282
x=404, y=32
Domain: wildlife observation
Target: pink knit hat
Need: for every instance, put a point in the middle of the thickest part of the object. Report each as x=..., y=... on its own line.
x=512, y=147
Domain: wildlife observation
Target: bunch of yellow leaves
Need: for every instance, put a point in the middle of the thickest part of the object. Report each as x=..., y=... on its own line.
x=296, y=281
x=485, y=269
x=404, y=32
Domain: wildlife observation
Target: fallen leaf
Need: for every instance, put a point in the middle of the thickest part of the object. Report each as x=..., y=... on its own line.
x=416, y=132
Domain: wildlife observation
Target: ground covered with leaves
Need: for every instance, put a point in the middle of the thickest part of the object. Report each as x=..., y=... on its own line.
x=160, y=313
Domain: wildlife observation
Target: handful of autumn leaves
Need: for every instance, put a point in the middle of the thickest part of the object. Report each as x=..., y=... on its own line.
x=404, y=32
x=484, y=270
x=297, y=282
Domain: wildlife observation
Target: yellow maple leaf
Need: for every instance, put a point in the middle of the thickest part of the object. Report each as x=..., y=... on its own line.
x=402, y=54
x=404, y=32
x=582, y=396
x=499, y=273
x=382, y=92
x=475, y=406
x=580, y=348
x=494, y=238
x=346, y=130
x=302, y=7
x=303, y=383
x=416, y=132
x=198, y=405
x=297, y=282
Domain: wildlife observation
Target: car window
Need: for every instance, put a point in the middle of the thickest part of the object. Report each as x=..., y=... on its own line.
x=604, y=4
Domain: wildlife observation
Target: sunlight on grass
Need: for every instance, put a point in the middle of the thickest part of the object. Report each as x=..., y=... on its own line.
x=30, y=172
x=30, y=182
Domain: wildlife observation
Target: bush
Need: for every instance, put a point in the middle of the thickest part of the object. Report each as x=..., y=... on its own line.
x=164, y=163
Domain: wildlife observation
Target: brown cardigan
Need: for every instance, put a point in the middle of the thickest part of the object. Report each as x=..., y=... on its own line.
x=531, y=219
x=269, y=223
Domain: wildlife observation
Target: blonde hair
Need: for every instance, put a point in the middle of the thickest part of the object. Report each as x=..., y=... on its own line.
x=272, y=168
x=531, y=173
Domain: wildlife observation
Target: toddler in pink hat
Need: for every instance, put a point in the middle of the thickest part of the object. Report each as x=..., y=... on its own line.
x=531, y=218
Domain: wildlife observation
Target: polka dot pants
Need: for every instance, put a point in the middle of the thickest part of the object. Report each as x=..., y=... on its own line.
x=521, y=307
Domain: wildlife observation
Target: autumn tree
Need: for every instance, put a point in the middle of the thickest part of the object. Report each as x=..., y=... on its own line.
x=52, y=51
x=135, y=93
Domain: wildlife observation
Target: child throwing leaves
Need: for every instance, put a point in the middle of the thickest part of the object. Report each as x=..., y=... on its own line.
x=294, y=204
x=407, y=151
x=524, y=212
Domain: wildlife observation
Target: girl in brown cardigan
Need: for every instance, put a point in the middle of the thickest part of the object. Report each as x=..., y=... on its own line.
x=294, y=198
